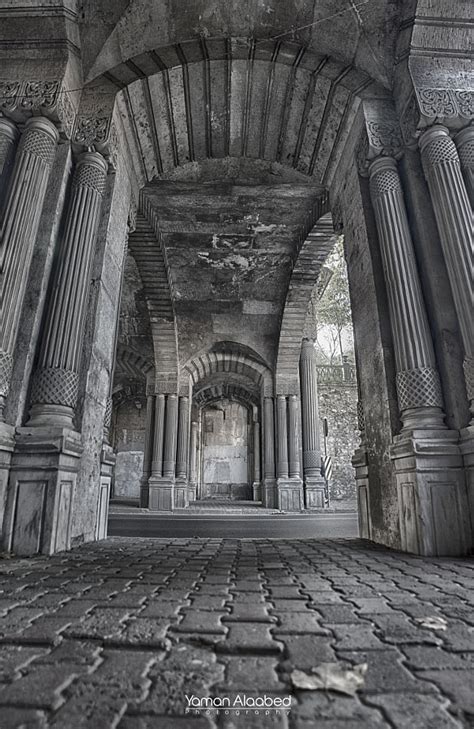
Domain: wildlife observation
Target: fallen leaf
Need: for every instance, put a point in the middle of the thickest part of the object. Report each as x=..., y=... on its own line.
x=331, y=677
x=433, y=622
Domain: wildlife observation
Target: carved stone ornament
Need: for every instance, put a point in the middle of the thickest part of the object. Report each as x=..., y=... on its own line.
x=362, y=155
x=100, y=133
x=20, y=99
x=410, y=122
x=446, y=104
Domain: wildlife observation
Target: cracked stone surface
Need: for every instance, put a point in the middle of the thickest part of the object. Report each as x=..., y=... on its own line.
x=117, y=633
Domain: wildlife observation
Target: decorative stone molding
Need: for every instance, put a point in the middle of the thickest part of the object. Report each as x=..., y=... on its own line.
x=98, y=132
x=6, y=366
x=437, y=103
x=20, y=99
x=410, y=122
x=469, y=376
x=381, y=135
x=419, y=388
x=360, y=416
x=55, y=386
x=108, y=413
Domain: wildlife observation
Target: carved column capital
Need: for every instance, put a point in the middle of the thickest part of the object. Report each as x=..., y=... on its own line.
x=21, y=99
x=381, y=136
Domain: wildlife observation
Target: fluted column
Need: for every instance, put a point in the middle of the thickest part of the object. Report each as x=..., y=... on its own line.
x=55, y=384
x=158, y=436
x=183, y=436
x=453, y=213
x=193, y=453
x=171, y=432
x=282, y=437
x=256, y=451
x=418, y=386
x=293, y=437
x=22, y=210
x=464, y=141
x=147, y=449
x=269, y=439
x=310, y=412
x=8, y=140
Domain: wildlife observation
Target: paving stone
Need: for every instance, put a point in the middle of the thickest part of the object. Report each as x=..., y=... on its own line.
x=200, y=621
x=458, y=636
x=100, y=623
x=145, y=631
x=84, y=655
x=417, y=711
x=299, y=624
x=374, y=605
x=457, y=684
x=306, y=651
x=165, y=722
x=287, y=592
x=244, y=673
x=249, y=637
x=318, y=705
x=326, y=598
x=351, y=637
x=250, y=612
x=14, y=657
x=290, y=605
x=337, y=614
x=424, y=656
x=17, y=620
x=45, y=630
x=385, y=668
x=396, y=629
x=23, y=718
x=40, y=687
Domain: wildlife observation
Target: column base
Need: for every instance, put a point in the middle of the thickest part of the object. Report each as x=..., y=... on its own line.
x=257, y=491
x=192, y=491
x=360, y=463
x=180, y=493
x=42, y=416
x=43, y=477
x=467, y=450
x=144, y=492
x=269, y=493
x=290, y=494
x=315, y=492
x=160, y=493
x=432, y=497
x=107, y=464
x=7, y=445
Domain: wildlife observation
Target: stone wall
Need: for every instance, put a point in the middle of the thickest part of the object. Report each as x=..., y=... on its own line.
x=338, y=404
x=129, y=442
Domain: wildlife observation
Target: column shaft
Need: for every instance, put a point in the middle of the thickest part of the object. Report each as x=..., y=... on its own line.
x=158, y=436
x=256, y=451
x=8, y=141
x=193, y=453
x=147, y=449
x=293, y=437
x=453, y=213
x=55, y=384
x=310, y=411
x=418, y=386
x=282, y=439
x=183, y=438
x=169, y=460
x=269, y=439
x=464, y=141
x=22, y=210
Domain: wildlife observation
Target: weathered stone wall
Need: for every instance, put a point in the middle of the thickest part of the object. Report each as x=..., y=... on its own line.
x=338, y=404
x=129, y=441
x=225, y=451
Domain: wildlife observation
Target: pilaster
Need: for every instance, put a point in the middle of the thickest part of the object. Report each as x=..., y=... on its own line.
x=257, y=484
x=161, y=488
x=192, y=486
x=269, y=483
x=148, y=448
x=181, y=483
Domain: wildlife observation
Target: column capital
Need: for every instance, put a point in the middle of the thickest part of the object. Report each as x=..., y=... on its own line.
x=384, y=176
x=40, y=138
x=437, y=146
x=381, y=136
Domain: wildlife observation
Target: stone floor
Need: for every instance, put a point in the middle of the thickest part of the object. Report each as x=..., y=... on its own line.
x=117, y=634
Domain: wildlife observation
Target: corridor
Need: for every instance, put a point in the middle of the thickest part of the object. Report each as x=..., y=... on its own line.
x=118, y=633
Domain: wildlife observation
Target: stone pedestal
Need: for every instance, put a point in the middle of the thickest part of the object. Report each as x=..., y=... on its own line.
x=7, y=444
x=290, y=494
x=43, y=479
x=161, y=493
x=467, y=450
x=434, y=518
x=360, y=463
x=107, y=465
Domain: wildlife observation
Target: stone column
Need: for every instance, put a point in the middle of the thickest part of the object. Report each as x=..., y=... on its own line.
x=158, y=436
x=464, y=141
x=8, y=140
x=418, y=387
x=22, y=209
x=282, y=438
x=161, y=488
x=269, y=492
x=293, y=437
x=147, y=450
x=181, y=485
x=454, y=218
x=313, y=481
x=55, y=383
x=257, y=485
x=193, y=461
x=428, y=466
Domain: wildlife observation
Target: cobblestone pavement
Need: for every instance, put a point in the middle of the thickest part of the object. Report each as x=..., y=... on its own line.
x=116, y=634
